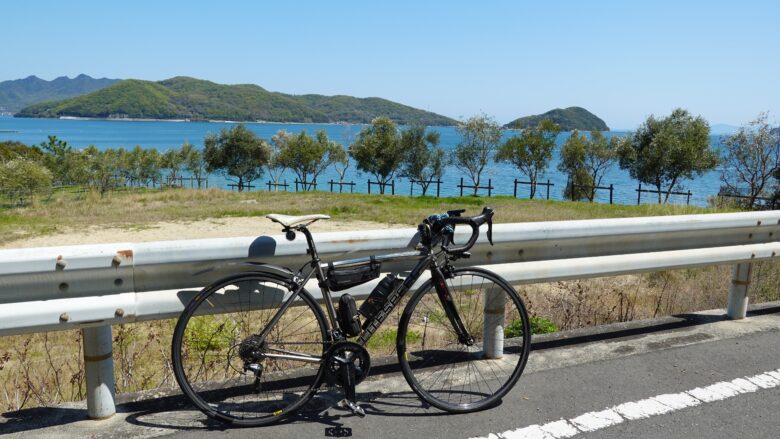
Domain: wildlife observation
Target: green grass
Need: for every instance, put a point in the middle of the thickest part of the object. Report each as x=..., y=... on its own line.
x=137, y=208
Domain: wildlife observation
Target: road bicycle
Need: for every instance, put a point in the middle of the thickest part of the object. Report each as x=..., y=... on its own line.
x=254, y=347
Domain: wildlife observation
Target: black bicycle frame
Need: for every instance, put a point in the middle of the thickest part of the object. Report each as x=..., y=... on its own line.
x=426, y=261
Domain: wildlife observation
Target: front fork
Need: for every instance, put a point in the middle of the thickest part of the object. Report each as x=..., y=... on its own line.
x=450, y=309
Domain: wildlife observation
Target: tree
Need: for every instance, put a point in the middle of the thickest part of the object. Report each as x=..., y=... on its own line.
x=103, y=168
x=664, y=151
x=21, y=178
x=424, y=160
x=378, y=150
x=193, y=161
x=340, y=161
x=172, y=161
x=340, y=157
x=149, y=166
x=274, y=166
x=750, y=157
x=60, y=158
x=10, y=150
x=572, y=163
x=237, y=153
x=124, y=169
x=586, y=160
x=532, y=150
x=307, y=157
x=480, y=137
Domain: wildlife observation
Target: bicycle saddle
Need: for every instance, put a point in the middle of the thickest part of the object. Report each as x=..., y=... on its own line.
x=289, y=220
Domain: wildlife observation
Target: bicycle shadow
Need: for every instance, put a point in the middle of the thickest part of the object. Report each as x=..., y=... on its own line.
x=323, y=409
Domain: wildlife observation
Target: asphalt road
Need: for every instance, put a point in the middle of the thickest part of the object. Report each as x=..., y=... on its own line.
x=568, y=392
x=564, y=384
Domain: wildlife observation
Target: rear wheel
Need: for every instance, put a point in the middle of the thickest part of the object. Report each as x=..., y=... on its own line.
x=224, y=367
x=464, y=377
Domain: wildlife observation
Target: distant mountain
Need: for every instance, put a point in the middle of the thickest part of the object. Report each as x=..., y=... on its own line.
x=19, y=93
x=722, y=129
x=195, y=99
x=569, y=119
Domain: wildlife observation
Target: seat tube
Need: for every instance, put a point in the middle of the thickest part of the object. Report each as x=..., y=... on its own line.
x=315, y=263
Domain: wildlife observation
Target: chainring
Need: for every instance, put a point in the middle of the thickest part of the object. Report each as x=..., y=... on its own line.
x=349, y=351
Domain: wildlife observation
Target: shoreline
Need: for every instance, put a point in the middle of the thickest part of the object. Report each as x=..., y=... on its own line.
x=253, y=122
x=134, y=119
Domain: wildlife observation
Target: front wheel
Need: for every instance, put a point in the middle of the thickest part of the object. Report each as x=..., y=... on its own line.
x=232, y=375
x=463, y=377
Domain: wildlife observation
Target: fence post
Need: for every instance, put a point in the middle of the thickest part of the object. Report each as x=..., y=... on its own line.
x=610, y=193
x=639, y=194
x=369, y=186
x=392, y=187
x=493, y=342
x=514, y=192
x=738, y=299
x=548, y=188
x=411, y=186
x=490, y=187
x=461, y=186
x=688, y=201
x=99, y=367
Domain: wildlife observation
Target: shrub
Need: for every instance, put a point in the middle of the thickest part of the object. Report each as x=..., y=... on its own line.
x=539, y=325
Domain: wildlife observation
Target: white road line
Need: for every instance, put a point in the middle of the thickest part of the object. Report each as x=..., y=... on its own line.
x=654, y=406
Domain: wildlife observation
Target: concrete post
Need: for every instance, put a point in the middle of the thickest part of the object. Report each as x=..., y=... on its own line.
x=99, y=367
x=738, y=298
x=493, y=343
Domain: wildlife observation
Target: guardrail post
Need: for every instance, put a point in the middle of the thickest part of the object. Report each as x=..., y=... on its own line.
x=493, y=344
x=99, y=367
x=738, y=298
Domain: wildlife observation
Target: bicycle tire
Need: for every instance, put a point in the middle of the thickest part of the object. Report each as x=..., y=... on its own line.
x=219, y=321
x=448, y=374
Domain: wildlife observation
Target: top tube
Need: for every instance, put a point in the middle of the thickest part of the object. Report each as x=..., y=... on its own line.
x=345, y=263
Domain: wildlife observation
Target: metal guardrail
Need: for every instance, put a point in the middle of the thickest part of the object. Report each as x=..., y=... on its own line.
x=96, y=286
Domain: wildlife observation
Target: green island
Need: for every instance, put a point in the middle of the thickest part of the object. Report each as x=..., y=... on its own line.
x=195, y=99
x=569, y=119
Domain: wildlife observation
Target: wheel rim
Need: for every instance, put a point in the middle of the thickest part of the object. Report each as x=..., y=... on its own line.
x=210, y=340
x=451, y=375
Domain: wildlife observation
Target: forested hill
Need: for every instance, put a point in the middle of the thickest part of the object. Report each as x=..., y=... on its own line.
x=569, y=119
x=195, y=99
x=19, y=93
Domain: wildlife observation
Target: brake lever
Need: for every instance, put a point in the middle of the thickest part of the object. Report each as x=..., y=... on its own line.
x=490, y=230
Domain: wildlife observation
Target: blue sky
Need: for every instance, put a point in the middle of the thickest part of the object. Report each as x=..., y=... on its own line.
x=623, y=60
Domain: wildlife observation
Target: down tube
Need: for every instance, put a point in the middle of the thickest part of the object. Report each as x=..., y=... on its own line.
x=393, y=299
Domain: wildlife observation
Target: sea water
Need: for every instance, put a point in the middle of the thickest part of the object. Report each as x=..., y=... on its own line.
x=164, y=135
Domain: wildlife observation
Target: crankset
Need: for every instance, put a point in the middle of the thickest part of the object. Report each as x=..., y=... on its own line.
x=348, y=364
x=343, y=353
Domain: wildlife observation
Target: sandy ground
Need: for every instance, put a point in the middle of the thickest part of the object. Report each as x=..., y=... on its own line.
x=210, y=228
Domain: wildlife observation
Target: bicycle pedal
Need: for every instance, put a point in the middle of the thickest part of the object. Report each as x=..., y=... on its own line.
x=353, y=406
